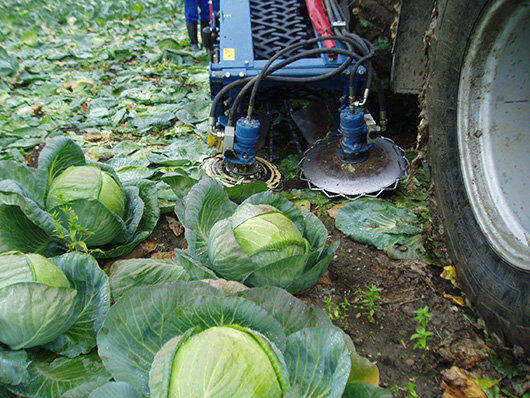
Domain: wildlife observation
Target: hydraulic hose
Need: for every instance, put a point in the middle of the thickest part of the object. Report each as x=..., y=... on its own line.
x=240, y=96
x=336, y=13
x=227, y=88
x=265, y=70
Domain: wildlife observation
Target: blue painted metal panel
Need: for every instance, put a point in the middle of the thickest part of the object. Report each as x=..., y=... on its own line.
x=236, y=54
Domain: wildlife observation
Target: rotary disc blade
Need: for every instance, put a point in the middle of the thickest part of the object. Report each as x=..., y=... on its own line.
x=382, y=169
x=230, y=174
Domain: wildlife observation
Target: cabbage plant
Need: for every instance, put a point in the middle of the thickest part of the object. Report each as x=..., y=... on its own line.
x=192, y=339
x=266, y=240
x=50, y=313
x=58, y=302
x=70, y=202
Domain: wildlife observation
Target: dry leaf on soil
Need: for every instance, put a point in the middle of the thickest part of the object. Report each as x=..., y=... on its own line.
x=142, y=250
x=175, y=226
x=449, y=273
x=456, y=299
x=458, y=383
x=163, y=255
x=335, y=209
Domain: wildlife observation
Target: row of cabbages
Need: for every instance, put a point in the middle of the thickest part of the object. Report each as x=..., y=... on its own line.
x=175, y=329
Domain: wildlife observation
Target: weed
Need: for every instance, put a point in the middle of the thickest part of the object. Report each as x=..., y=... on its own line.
x=367, y=301
x=409, y=388
x=76, y=233
x=339, y=311
x=422, y=335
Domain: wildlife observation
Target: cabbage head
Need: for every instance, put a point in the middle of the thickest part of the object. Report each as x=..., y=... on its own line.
x=69, y=200
x=42, y=300
x=266, y=240
x=196, y=339
x=87, y=184
x=262, y=228
x=248, y=359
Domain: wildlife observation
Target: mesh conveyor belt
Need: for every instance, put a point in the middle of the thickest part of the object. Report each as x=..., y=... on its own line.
x=277, y=24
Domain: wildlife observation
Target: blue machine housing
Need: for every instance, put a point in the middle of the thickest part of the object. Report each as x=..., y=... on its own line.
x=235, y=59
x=354, y=132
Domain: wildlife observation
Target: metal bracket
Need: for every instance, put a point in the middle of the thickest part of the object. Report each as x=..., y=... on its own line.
x=373, y=128
x=228, y=142
x=338, y=24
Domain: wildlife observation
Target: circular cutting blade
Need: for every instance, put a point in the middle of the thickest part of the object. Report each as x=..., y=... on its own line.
x=382, y=169
x=230, y=174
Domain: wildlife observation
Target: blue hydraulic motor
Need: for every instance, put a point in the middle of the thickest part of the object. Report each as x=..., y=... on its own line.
x=245, y=140
x=354, y=147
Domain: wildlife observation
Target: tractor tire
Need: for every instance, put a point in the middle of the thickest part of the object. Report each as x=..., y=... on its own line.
x=496, y=284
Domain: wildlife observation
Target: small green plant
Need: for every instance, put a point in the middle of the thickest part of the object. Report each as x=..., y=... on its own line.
x=422, y=335
x=410, y=388
x=76, y=235
x=339, y=311
x=367, y=301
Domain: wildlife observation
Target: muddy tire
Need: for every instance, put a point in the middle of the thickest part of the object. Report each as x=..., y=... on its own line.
x=497, y=286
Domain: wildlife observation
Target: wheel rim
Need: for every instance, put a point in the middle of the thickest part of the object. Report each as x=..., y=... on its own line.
x=493, y=133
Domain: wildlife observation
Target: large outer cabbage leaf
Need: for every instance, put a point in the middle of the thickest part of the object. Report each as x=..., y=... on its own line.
x=144, y=330
x=326, y=354
x=125, y=274
x=26, y=225
x=115, y=389
x=13, y=366
x=388, y=227
x=93, y=296
x=49, y=377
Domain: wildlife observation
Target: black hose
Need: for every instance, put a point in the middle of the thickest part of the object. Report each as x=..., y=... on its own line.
x=240, y=96
x=335, y=11
x=227, y=88
x=223, y=91
x=256, y=83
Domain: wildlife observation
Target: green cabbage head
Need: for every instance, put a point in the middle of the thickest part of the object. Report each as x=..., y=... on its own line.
x=261, y=228
x=37, y=303
x=89, y=183
x=215, y=340
x=265, y=241
x=30, y=268
x=222, y=360
x=71, y=202
x=85, y=189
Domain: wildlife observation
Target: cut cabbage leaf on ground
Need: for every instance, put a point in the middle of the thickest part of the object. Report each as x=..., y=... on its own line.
x=379, y=223
x=153, y=332
x=70, y=203
x=291, y=251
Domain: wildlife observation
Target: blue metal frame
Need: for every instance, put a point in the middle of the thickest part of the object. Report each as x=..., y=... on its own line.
x=236, y=53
